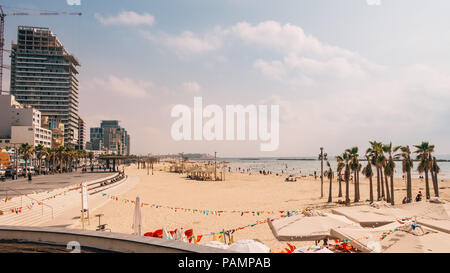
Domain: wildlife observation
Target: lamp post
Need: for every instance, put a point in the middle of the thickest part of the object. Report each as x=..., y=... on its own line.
x=147, y=164
x=215, y=166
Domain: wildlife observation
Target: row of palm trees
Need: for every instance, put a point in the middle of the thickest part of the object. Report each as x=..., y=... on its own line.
x=381, y=162
x=62, y=158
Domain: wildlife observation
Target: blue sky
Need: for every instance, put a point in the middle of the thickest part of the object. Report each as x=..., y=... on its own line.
x=343, y=72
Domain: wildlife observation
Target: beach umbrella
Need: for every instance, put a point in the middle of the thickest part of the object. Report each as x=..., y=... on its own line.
x=137, y=222
x=216, y=244
x=249, y=246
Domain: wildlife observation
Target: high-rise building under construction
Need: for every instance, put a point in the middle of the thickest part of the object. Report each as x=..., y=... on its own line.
x=44, y=75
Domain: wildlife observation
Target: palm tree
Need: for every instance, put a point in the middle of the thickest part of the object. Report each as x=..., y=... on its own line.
x=384, y=182
x=423, y=150
x=390, y=168
x=27, y=152
x=329, y=174
x=346, y=158
x=374, y=153
x=367, y=171
x=48, y=157
x=340, y=166
x=407, y=164
x=40, y=153
x=435, y=168
x=354, y=165
x=60, y=153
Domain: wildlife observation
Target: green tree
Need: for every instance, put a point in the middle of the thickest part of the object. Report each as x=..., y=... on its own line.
x=40, y=154
x=367, y=172
x=340, y=166
x=389, y=169
x=423, y=150
x=407, y=165
x=354, y=166
x=27, y=152
x=435, y=168
x=374, y=152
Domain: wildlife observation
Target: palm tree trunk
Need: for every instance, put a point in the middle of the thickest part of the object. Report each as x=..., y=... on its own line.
x=435, y=187
x=427, y=185
x=340, y=186
x=392, y=189
x=371, y=189
x=388, y=195
x=382, y=184
x=378, y=184
x=347, y=192
x=26, y=167
x=329, y=194
x=355, y=186
x=436, y=193
x=408, y=187
x=357, y=179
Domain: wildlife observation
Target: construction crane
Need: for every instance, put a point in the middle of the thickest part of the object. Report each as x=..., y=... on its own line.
x=2, y=32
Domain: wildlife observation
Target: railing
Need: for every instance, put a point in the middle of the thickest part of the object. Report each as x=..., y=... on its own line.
x=21, y=199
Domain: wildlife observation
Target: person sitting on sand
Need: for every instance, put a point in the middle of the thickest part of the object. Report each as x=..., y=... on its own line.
x=419, y=197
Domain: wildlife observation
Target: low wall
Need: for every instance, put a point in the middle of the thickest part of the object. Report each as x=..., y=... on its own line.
x=102, y=240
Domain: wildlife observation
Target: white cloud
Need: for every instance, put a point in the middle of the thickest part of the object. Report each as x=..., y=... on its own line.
x=187, y=43
x=273, y=69
x=192, y=86
x=285, y=38
x=124, y=86
x=126, y=18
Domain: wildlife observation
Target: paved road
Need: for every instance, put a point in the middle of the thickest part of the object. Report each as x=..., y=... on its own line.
x=47, y=182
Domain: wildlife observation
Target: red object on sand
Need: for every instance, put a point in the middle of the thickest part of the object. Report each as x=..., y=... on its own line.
x=157, y=233
x=189, y=233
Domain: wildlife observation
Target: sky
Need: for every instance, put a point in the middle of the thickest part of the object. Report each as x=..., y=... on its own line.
x=342, y=72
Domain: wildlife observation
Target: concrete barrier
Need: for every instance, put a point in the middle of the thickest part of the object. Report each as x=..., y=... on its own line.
x=101, y=240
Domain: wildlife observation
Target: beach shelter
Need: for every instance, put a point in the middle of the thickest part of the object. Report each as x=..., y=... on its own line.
x=308, y=228
x=395, y=238
x=137, y=221
x=249, y=246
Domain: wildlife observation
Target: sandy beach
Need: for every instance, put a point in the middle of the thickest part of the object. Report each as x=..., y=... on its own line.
x=238, y=192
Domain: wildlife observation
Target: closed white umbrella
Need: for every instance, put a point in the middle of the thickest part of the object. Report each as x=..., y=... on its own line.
x=249, y=246
x=137, y=222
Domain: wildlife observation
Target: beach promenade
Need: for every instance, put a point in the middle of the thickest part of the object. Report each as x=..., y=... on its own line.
x=47, y=182
x=59, y=202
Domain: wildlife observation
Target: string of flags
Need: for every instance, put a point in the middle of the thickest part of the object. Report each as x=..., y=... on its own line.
x=20, y=209
x=204, y=211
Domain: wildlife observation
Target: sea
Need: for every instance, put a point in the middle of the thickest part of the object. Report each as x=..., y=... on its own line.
x=309, y=165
